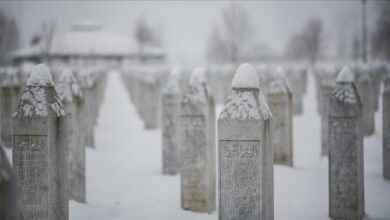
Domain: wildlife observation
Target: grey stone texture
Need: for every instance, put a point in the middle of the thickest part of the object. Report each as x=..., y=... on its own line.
x=386, y=126
x=245, y=165
x=40, y=150
x=8, y=199
x=279, y=99
x=70, y=94
x=198, y=146
x=297, y=79
x=170, y=120
x=346, y=168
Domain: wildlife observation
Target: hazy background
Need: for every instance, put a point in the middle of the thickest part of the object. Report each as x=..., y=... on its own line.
x=185, y=26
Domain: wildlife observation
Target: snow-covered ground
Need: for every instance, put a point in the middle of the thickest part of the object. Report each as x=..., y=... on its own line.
x=124, y=179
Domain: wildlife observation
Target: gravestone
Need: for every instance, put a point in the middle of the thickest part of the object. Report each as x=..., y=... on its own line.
x=386, y=126
x=296, y=81
x=170, y=102
x=327, y=85
x=280, y=102
x=245, y=156
x=346, y=174
x=366, y=92
x=70, y=94
x=10, y=92
x=8, y=200
x=86, y=87
x=198, y=146
x=40, y=149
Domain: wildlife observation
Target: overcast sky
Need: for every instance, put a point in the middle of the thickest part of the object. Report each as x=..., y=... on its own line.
x=184, y=25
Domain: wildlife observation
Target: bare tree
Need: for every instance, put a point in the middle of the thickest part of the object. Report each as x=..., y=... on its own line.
x=308, y=43
x=381, y=35
x=145, y=36
x=234, y=36
x=9, y=36
x=47, y=33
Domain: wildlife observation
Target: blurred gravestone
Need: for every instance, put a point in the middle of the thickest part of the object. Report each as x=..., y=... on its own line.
x=40, y=149
x=170, y=110
x=346, y=181
x=386, y=126
x=245, y=155
x=198, y=146
x=10, y=92
x=280, y=102
x=70, y=95
x=8, y=201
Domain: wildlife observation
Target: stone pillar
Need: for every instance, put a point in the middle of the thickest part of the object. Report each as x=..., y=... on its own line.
x=295, y=81
x=70, y=94
x=366, y=92
x=198, y=146
x=8, y=201
x=280, y=102
x=40, y=149
x=170, y=111
x=10, y=92
x=327, y=84
x=86, y=86
x=245, y=156
x=346, y=170
x=386, y=126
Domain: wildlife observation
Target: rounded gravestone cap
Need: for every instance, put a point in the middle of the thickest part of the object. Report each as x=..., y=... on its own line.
x=67, y=75
x=198, y=76
x=246, y=77
x=279, y=73
x=345, y=75
x=40, y=76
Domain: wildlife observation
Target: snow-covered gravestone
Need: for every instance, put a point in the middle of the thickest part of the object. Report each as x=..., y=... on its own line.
x=170, y=111
x=40, y=149
x=70, y=95
x=327, y=84
x=346, y=182
x=10, y=92
x=8, y=201
x=245, y=156
x=198, y=146
x=364, y=85
x=386, y=126
x=280, y=102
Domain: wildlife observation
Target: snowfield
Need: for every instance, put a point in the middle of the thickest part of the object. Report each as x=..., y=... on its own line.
x=124, y=179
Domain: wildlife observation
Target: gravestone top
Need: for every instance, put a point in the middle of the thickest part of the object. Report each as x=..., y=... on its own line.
x=279, y=82
x=245, y=102
x=245, y=77
x=40, y=75
x=198, y=76
x=39, y=98
x=173, y=86
x=345, y=75
x=67, y=87
x=197, y=90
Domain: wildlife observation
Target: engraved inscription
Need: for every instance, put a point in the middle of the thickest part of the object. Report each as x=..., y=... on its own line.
x=31, y=169
x=240, y=180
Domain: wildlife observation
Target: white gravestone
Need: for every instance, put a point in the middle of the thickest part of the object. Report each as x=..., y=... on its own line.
x=346, y=173
x=245, y=155
x=40, y=149
x=198, y=146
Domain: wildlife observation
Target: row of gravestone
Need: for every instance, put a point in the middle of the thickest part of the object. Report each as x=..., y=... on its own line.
x=149, y=81
x=50, y=128
x=251, y=139
x=368, y=80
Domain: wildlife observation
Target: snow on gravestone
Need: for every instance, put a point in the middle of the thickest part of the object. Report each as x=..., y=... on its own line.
x=327, y=84
x=170, y=111
x=245, y=154
x=346, y=183
x=280, y=102
x=10, y=92
x=198, y=146
x=40, y=149
x=8, y=200
x=71, y=97
x=386, y=126
x=366, y=92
